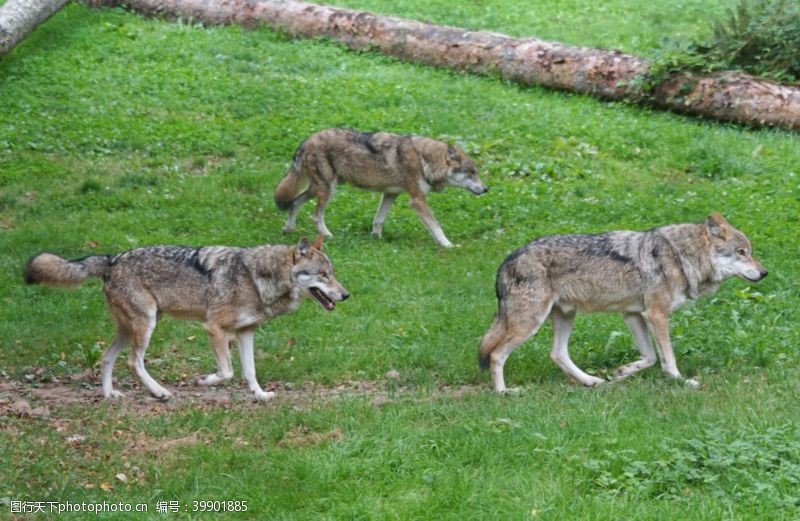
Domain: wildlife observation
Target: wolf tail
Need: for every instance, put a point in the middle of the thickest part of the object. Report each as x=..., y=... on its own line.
x=291, y=183
x=53, y=270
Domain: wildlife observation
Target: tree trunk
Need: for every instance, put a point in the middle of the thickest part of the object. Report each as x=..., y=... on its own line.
x=18, y=18
x=607, y=74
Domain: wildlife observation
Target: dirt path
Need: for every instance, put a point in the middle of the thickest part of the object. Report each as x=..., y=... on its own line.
x=40, y=399
x=75, y=413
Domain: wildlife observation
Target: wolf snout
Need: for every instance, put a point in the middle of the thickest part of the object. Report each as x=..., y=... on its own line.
x=757, y=275
x=345, y=295
x=480, y=190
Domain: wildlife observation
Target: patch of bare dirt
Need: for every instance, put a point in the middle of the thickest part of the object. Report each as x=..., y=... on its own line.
x=26, y=399
x=141, y=443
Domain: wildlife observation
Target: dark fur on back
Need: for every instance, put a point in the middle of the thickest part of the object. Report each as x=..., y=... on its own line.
x=619, y=253
x=365, y=139
x=189, y=256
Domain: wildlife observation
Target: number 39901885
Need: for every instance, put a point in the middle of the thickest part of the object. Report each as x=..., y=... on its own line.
x=219, y=506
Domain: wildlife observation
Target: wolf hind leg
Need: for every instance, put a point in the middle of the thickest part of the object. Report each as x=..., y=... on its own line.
x=638, y=328
x=323, y=185
x=511, y=327
x=220, y=345
x=142, y=327
x=387, y=200
x=324, y=195
x=562, y=327
x=301, y=199
x=246, y=356
x=110, y=355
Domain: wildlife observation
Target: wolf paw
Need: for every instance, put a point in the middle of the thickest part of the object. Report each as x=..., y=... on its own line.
x=692, y=383
x=114, y=395
x=162, y=394
x=264, y=396
x=594, y=381
x=626, y=370
x=509, y=391
x=213, y=378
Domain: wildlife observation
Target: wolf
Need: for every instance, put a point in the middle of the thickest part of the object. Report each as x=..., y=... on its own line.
x=643, y=275
x=381, y=162
x=229, y=289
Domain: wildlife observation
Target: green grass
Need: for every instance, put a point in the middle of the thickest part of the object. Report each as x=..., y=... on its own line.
x=633, y=26
x=119, y=132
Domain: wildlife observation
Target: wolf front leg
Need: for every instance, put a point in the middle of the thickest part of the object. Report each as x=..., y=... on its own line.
x=222, y=353
x=245, y=340
x=658, y=320
x=638, y=328
x=420, y=205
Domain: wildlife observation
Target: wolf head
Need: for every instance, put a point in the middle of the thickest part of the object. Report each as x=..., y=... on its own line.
x=461, y=171
x=731, y=253
x=312, y=274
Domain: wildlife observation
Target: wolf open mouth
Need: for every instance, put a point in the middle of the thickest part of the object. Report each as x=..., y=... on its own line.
x=322, y=298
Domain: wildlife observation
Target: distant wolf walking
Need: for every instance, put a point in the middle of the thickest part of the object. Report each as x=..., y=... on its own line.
x=231, y=290
x=381, y=162
x=643, y=275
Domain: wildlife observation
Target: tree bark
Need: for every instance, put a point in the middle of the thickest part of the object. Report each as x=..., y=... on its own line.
x=609, y=75
x=18, y=18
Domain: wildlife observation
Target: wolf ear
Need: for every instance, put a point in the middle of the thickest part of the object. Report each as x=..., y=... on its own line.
x=303, y=247
x=317, y=244
x=717, y=225
x=452, y=153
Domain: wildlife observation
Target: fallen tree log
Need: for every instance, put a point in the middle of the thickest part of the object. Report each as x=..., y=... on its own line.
x=609, y=75
x=18, y=18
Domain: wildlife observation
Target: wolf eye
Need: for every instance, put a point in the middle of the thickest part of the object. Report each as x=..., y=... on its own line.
x=742, y=252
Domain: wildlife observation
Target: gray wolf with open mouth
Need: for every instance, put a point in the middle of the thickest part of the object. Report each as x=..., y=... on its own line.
x=231, y=290
x=643, y=275
x=382, y=162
